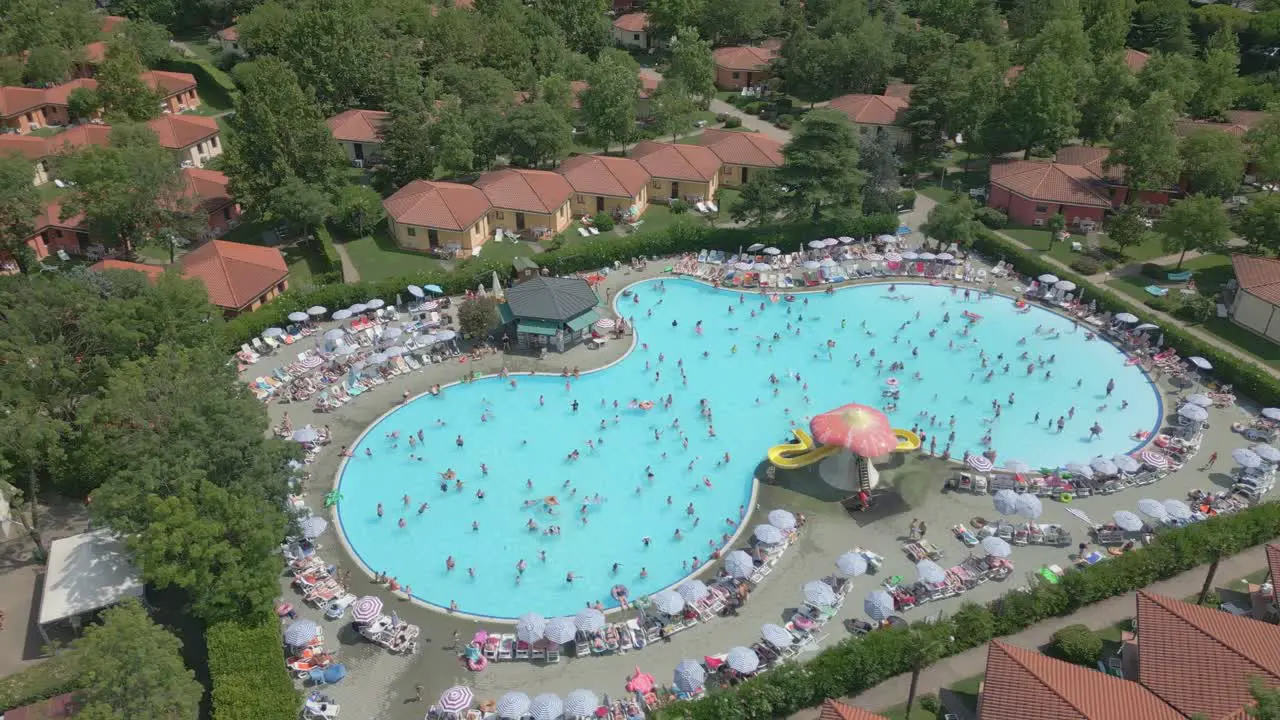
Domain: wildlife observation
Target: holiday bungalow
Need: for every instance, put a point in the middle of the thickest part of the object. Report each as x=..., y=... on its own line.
x=535, y=201
x=878, y=114
x=606, y=184
x=1112, y=179
x=23, y=110
x=1255, y=305
x=549, y=312
x=743, y=66
x=50, y=233
x=206, y=193
x=229, y=40
x=836, y=710
x=359, y=132
x=193, y=139
x=41, y=150
x=239, y=277
x=439, y=217
x=632, y=30
x=676, y=171
x=1032, y=192
x=177, y=91
x=741, y=153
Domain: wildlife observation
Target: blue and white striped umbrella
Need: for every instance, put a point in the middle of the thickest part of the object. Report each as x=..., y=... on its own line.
x=1126, y=463
x=693, y=591
x=560, y=630
x=739, y=564
x=589, y=620
x=1006, y=502
x=300, y=633
x=742, y=659
x=299, y=316
x=512, y=706
x=314, y=526
x=456, y=699
x=930, y=572
x=668, y=602
x=547, y=706
x=1030, y=507
x=1127, y=521
x=878, y=605
x=1153, y=509
x=996, y=547
x=819, y=593
x=768, y=534
x=689, y=676
x=776, y=635
x=581, y=703
x=851, y=564
x=529, y=627
x=1177, y=509
x=782, y=520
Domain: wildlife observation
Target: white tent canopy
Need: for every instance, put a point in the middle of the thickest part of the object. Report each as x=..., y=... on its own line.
x=87, y=572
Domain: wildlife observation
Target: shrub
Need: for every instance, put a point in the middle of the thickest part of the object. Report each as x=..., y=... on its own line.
x=1154, y=271
x=991, y=217
x=678, y=206
x=723, y=117
x=1077, y=644
x=603, y=221
x=477, y=316
x=53, y=677
x=1163, y=304
x=929, y=703
x=328, y=253
x=906, y=200
x=733, y=121
x=1196, y=309
x=752, y=107
x=248, y=674
x=1086, y=265
x=785, y=122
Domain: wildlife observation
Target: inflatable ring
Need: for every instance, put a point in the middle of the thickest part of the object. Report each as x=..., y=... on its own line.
x=1064, y=497
x=646, y=405
x=790, y=298
x=619, y=592
x=550, y=500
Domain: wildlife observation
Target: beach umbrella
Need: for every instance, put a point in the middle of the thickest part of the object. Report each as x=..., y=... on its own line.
x=892, y=257
x=1154, y=459
x=1246, y=458
x=762, y=266
x=996, y=547
x=1153, y=509
x=430, y=305
x=689, y=676
x=776, y=635
x=417, y=292
x=376, y=358
x=739, y=564
x=817, y=244
x=1200, y=399
x=429, y=339
x=771, y=251
x=878, y=605
x=547, y=706
x=1177, y=509
x=812, y=264
x=1127, y=521
x=755, y=247
x=782, y=520
x=886, y=239
x=560, y=630
x=589, y=620
x=374, y=304
x=861, y=429
x=929, y=571
x=345, y=351
x=941, y=256
x=314, y=526
x=819, y=593
x=874, y=257
x=1006, y=502
x=830, y=242
x=580, y=703
x=366, y=608
x=768, y=534
x=742, y=659
x=743, y=265
x=1200, y=362
x=342, y=314
x=1271, y=413
x=456, y=699
x=529, y=627
x=904, y=230
x=1017, y=466
x=606, y=324
x=1126, y=463
x=1147, y=326
x=392, y=333
x=981, y=463
x=667, y=602
x=1126, y=318
x=335, y=334
x=272, y=332
x=1266, y=452
x=1030, y=507
x=433, y=288
x=317, y=310
x=1049, y=278
x=929, y=256
x=1065, y=285
x=910, y=255
x=851, y=564
x=299, y=316
x=1104, y=466
x=306, y=435
x=512, y=705
x=446, y=335
x=358, y=308
x=300, y=633
x=1080, y=469
x=846, y=240
x=394, y=351
x=692, y=591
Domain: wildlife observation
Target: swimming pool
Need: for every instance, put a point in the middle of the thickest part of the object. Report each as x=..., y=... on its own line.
x=525, y=434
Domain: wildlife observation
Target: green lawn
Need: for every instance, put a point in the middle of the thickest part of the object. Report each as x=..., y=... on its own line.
x=304, y=262
x=377, y=257
x=46, y=131
x=964, y=692
x=1038, y=239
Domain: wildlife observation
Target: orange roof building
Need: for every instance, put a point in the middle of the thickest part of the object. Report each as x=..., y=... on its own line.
x=238, y=276
x=151, y=271
x=39, y=149
x=1238, y=123
x=632, y=30
x=208, y=193
x=229, y=40
x=1032, y=192
x=177, y=91
x=1255, y=305
x=359, y=132
x=606, y=184
x=111, y=23
x=679, y=171
x=835, y=710
x=527, y=200
x=878, y=110
x=194, y=139
x=740, y=153
x=742, y=66
x=439, y=217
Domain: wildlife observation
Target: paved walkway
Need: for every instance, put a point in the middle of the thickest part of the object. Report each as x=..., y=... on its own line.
x=1097, y=616
x=750, y=122
x=349, y=272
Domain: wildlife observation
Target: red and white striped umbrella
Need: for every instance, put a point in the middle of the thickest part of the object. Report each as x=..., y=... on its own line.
x=979, y=463
x=863, y=430
x=456, y=699
x=606, y=323
x=1154, y=459
x=366, y=608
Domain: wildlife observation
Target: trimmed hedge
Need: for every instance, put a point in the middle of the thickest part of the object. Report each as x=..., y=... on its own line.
x=51, y=678
x=328, y=252
x=685, y=235
x=855, y=665
x=247, y=670
x=205, y=73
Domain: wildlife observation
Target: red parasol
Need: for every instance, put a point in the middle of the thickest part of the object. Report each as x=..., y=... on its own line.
x=863, y=430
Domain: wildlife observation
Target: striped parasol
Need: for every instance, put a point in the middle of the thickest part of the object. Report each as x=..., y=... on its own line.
x=693, y=591
x=366, y=608
x=1155, y=459
x=606, y=323
x=589, y=620
x=560, y=630
x=768, y=534
x=742, y=659
x=547, y=706
x=782, y=520
x=981, y=463
x=689, y=676
x=456, y=699
x=819, y=593
x=300, y=633
x=930, y=572
x=530, y=626
x=667, y=602
x=996, y=547
x=1030, y=507
x=581, y=703
x=878, y=605
x=739, y=564
x=851, y=564
x=776, y=635
x=512, y=706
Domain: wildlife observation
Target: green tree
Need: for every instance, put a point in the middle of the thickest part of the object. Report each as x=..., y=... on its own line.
x=125, y=97
x=130, y=667
x=609, y=104
x=584, y=23
x=919, y=48
x=1267, y=699
x=924, y=646
x=537, y=134
x=1127, y=229
x=1163, y=25
x=83, y=103
x=477, y=316
x=965, y=19
x=358, y=208
x=150, y=39
x=673, y=108
x=820, y=167
x=11, y=69
x=1173, y=74
x=1262, y=142
x=1197, y=222
x=1219, y=82
x=19, y=205
x=557, y=92
x=33, y=23
x=1078, y=644
x=1040, y=110
x=1106, y=96
x=1259, y=224
x=759, y=200
x=1213, y=163
x=1146, y=146
x=952, y=222
x=692, y=65
x=303, y=206
x=47, y=64
x=1106, y=23
x=806, y=68
x=666, y=17
x=956, y=96
x=743, y=21
x=878, y=160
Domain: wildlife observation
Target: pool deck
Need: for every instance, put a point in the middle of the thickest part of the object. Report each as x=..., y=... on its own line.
x=380, y=685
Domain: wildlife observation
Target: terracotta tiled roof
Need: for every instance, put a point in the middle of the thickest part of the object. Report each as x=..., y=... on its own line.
x=632, y=22
x=111, y=22
x=743, y=57
x=17, y=100
x=871, y=109
x=78, y=137
x=169, y=83
x=95, y=52
x=742, y=148
x=51, y=217
x=535, y=191
x=151, y=271
x=208, y=188
x=1135, y=59
x=675, y=161
x=899, y=90
x=1027, y=685
x=362, y=126
x=1092, y=159
x=58, y=94
x=1273, y=561
x=604, y=175
x=832, y=710
x=1259, y=276
x=235, y=274
x=30, y=147
x=182, y=131
x=230, y=34
x=648, y=84
x=448, y=206
x=1050, y=182
x=1201, y=660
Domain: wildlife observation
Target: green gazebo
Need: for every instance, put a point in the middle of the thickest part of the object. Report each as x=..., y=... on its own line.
x=550, y=312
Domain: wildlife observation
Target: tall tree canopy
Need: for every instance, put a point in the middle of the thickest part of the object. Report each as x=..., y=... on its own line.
x=1197, y=222
x=1146, y=146
x=955, y=96
x=692, y=64
x=1213, y=163
x=19, y=204
x=1039, y=110
x=609, y=104
x=820, y=167
x=125, y=97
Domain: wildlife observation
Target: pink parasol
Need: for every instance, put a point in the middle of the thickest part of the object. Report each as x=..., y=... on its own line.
x=641, y=682
x=863, y=430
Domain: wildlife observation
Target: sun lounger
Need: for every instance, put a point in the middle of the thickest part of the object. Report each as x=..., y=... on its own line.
x=593, y=230
x=711, y=206
x=583, y=232
x=507, y=647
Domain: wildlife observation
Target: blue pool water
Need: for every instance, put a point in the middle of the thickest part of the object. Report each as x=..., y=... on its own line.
x=523, y=439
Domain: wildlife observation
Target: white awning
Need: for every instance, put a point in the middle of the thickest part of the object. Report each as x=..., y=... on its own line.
x=87, y=572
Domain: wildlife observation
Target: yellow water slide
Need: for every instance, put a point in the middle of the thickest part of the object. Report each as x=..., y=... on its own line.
x=790, y=456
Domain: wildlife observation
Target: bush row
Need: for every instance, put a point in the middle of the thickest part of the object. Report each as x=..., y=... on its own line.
x=1247, y=377
x=50, y=678
x=328, y=253
x=685, y=235
x=205, y=74
x=248, y=674
x=855, y=665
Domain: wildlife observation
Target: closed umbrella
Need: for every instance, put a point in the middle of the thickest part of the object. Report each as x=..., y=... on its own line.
x=342, y=314
x=1200, y=363
x=689, y=676
x=547, y=706
x=668, y=602
x=299, y=316
x=739, y=564
x=529, y=627
x=692, y=591
x=417, y=292
x=1154, y=459
x=1153, y=509
x=1246, y=458
x=742, y=659
x=1017, y=466
x=1127, y=521
x=1049, y=279
x=819, y=593
x=1104, y=466
x=1030, y=507
x=981, y=463
x=776, y=635
x=1177, y=509
x=512, y=705
x=1200, y=399
x=300, y=633
x=929, y=571
x=314, y=527
x=560, y=630
x=1126, y=317
x=851, y=564
x=1126, y=463
x=996, y=547
x=589, y=620
x=272, y=332
x=782, y=520
x=1267, y=452
x=768, y=534
x=1080, y=469
x=317, y=310
x=366, y=608
x=374, y=304
x=456, y=699
x=878, y=605
x=581, y=703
